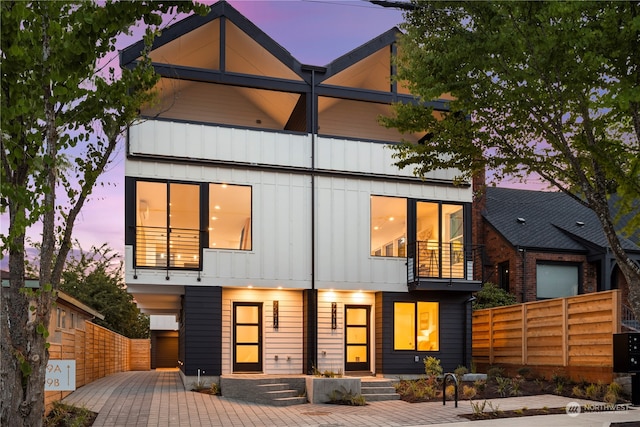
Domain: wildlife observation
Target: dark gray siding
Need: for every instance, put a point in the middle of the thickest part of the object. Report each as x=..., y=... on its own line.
x=201, y=330
x=455, y=341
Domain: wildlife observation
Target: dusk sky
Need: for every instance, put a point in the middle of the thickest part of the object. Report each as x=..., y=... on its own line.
x=314, y=32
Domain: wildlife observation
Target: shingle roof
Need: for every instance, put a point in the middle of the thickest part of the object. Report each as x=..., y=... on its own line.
x=545, y=220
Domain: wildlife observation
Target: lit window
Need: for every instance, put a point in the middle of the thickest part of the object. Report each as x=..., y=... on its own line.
x=415, y=326
x=388, y=226
x=167, y=224
x=229, y=216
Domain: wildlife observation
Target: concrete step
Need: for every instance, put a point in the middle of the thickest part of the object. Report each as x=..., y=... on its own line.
x=289, y=401
x=380, y=397
x=265, y=390
x=378, y=390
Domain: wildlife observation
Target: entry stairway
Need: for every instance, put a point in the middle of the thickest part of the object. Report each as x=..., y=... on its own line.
x=277, y=390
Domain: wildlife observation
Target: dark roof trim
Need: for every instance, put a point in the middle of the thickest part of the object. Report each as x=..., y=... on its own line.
x=356, y=55
x=294, y=170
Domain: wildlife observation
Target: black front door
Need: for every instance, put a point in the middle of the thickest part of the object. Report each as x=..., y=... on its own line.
x=247, y=337
x=356, y=340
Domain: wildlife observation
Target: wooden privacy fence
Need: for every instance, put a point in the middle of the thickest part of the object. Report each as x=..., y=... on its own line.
x=98, y=352
x=570, y=336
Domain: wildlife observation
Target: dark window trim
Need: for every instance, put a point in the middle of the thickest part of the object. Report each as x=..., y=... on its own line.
x=415, y=307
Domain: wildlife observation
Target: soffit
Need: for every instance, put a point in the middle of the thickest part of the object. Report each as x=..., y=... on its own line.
x=245, y=55
x=372, y=73
x=199, y=48
x=218, y=101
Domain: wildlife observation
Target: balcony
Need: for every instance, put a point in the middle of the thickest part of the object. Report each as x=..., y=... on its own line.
x=432, y=265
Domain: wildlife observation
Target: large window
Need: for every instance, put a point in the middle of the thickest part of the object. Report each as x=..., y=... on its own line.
x=168, y=221
x=167, y=224
x=440, y=239
x=416, y=326
x=229, y=216
x=557, y=280
x=388, y=226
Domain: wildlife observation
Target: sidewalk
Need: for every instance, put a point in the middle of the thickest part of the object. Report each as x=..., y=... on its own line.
x=158, y=398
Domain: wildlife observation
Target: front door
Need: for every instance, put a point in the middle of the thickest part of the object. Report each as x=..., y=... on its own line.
x=247, y=337
x=356, y=338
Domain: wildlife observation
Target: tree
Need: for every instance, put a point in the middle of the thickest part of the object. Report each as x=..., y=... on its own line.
x=96, y=279
x=551, y=88
x=55, y=98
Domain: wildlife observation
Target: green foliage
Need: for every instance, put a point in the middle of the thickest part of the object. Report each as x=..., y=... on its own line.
x=504, y=386
x=495, y=371
x=459, y=372
x=69, y=416
x=468, y=392
x=432, y=366
x=346, y=397
x=96, y=279
x=542, y=88
x=492, y=296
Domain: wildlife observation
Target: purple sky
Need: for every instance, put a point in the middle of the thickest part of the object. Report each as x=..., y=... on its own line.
x=314, y=32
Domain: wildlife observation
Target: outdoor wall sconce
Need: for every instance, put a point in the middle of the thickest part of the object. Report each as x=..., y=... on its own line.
x=275, y=314
x=334, y=315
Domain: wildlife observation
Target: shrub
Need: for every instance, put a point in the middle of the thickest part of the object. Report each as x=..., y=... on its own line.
x=432, y=366
x=450, y=391
x=480, y=385
x=459, y=372
x=577, y=391
x=504, y=386
x=495, y=372
x=468, y=392
x=492, y=296
x=616, y=389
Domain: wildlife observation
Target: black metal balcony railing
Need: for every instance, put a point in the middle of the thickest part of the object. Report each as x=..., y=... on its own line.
x=429, y=259
x=162, y=247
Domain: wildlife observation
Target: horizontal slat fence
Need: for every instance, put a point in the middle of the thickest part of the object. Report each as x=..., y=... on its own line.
x=98, y=352
x=570, y=336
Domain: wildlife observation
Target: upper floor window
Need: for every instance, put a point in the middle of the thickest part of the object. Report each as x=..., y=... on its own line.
x=167, y=224
x=430, y=232
x=174, y=221
x=388, y=226
x=229, y=216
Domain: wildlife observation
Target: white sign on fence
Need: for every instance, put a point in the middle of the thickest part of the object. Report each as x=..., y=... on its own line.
x=61, y=375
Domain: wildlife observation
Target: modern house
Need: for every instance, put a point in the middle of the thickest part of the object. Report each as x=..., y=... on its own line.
x=541, y=244
x=264, y=211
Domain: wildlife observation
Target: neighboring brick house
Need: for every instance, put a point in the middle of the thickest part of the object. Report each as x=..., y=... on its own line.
x=541, y=244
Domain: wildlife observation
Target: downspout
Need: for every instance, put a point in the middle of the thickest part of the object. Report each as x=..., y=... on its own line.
x=524, y=273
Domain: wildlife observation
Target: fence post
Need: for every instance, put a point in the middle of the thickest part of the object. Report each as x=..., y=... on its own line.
x=491, y=336
x=565, y=332
x=524, y=334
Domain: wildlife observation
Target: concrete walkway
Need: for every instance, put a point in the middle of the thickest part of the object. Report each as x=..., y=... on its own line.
x=158, y=398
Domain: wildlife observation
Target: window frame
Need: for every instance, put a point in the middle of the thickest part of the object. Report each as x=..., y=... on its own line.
x=579, y=270
x=416, y=326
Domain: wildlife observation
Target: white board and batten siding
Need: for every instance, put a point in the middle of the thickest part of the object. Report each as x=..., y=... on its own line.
x=207, y=142
x=331, y=341
x=281, y=228
x=281, y=222
x=284, y=342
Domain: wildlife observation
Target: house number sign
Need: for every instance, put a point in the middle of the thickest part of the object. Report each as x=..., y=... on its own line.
x=60, y=375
